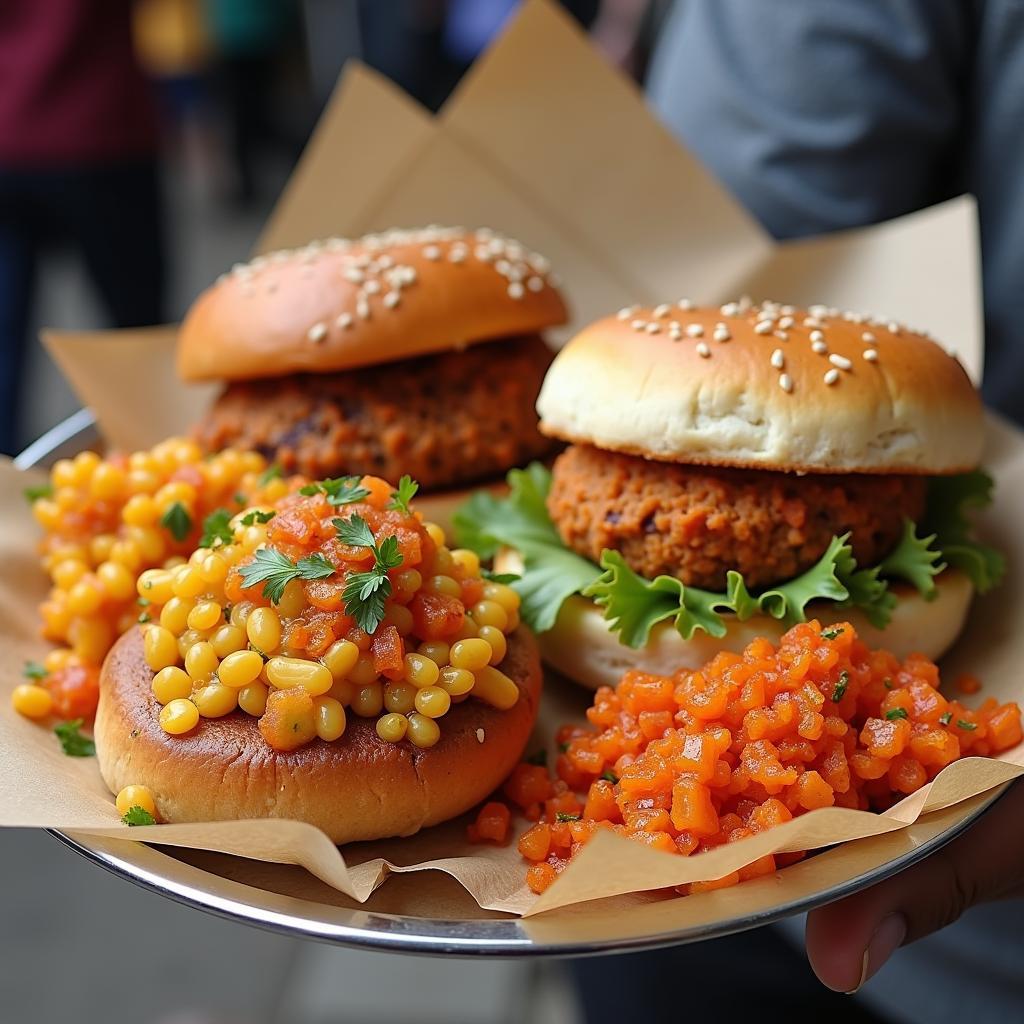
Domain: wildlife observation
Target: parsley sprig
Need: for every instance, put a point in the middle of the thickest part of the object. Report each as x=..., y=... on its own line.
x=34, y=670
x=342, y=490
x=407, y=488
x=136, y=815
x=177, y=521
x=217, y=529
x=275, y=571
x=72, y=742
x=366, y=592
x=257, y=516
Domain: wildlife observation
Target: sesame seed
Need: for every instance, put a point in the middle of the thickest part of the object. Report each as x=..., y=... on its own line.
x=868, y=337
x=786, y=321
x=841, y=361
x=782, y=335
x=817, y=336
x=894, y=328
x=788, y=310
x=763, y=327
x=502, y=266
x=535, y=284
x=694, y=331
x=344, y=321
x=432, y=252
x=721, y=333
x=685, y=304
x=638, y=325
x=730, y=309
x=392, y=299
x=372, y=287
x=653, y=327
x=702, y=350
x=662, y=310
x=820, y=347
x=362, y=307
x=831, y=377
x=786, y=382
x=354, y=274
x=384, y=261
x=811, y=321
x=871, y=355
x=626, y=312
x=456, y=254
x=778, y=359
x=480, y=735
x=819, y=310
x=317, y=332
x=483, y=253
x=516, y=290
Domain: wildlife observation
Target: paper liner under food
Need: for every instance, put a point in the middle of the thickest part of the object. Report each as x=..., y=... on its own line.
x=41, y=787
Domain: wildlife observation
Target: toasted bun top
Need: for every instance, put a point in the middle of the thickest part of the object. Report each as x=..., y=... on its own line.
x=340, y=303
x=765, y=386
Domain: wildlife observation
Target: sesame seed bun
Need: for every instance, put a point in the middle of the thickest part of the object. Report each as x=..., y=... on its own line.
x=339, y=304
x=358, y=787
x=766, y=387
x=582, y=647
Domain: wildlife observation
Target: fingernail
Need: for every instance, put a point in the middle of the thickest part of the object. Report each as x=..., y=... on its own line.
x=888, y=937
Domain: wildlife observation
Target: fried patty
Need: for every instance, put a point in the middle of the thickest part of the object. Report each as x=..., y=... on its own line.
x=445, y=419
x=697, y=522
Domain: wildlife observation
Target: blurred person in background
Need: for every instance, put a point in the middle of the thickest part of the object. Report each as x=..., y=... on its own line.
x=78, y=142
x=820, y=115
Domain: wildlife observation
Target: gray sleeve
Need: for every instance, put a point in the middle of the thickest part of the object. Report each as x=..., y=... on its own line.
x=818, y=114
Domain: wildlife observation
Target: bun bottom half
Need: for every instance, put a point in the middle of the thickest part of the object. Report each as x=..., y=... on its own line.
x=581, y=646
x=357, y=788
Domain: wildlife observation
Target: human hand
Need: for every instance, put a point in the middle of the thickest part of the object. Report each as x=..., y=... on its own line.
x=849, y=941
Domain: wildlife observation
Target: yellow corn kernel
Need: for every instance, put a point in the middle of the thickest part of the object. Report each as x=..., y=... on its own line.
x=503, y=595
x=495, y=688
x=252, y=462
x=213, y=569
x=155, y=586
x=180, y=716
x=405, y=585
x=456, y=681
x=342, y=691
x=188, y=582
x=90, y=638
x=143, y=481
x=100, y=547
x=31, y=701
x=117, y=581
x=85, y=596
x=391, y=728
x=174, y=615
x=189, y=639
x=252, y=699
x=400, y=698
x=215, y=700
x=420, y=670
x=201, y=662
x=443, y=585
x=67, y=572
x=226, y=640
x=435, y=532
x=467, y=562
x=140, y=510
x=433, y=701
x=340, y=658
x=240, y=669
x=58, y=659
x=175, y=491
x=423, y=732
x=467, y=631
x=513, y=622
x=400, y=617
x=471, y=654
x=263, y=627
x=197, y=558
x=368, y=700
x=436, y=650
x=63, y=473
x=142, y=460
x=150, y=540
x=293, y=600
x=185, y=452
x=276, y=488
x=108, y=482
x=85, y=465
x=499, y=645
x=205, y=615
x=160, y=648
x=253, y=536
x=330, y=718
x=172, y=563
x=56, y=617
x=240, y=613
x=135, y=796
x=286, y=673
x=442, y=563
x=46, y=513
x=171, y=683
x=489, y=613
x=66, y=498
x=362, y=672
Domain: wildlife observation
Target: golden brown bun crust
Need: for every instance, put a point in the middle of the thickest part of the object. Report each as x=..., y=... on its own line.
x=333, y=306
x=582, y=647
x=359, y=787
x=635, y=383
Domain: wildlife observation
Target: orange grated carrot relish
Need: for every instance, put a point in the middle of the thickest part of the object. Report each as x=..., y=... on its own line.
x=687, y=762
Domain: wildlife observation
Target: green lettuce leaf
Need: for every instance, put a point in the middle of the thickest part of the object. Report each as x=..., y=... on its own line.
x=915, y=560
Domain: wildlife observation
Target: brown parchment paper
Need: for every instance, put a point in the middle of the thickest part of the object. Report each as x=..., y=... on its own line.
x=547, y=143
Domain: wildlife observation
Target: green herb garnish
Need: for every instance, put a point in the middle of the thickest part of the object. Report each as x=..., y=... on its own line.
x=239, y=498
x=217, y=529
x=840, y=688
x=563, y=748
x=508, y=578
x=610, y=776
x=256, y=516
x=946, y=717
x=144, y=617
x=563, y=816
x=35, y=493
x=962, y=723
x=276, y=571
x=831, y=634
x=33, y=670
x=72, y=742
x=366, y=592
x=138, y=816
x=272, y=472
x=407, y=488
x=342, y=490
x=895, y=713
x=177, y=521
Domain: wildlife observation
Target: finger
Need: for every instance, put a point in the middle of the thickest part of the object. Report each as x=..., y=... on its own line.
x=849, y=941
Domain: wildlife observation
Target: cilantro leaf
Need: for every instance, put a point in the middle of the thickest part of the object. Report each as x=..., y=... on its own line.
x=962, y=723
x=275, y=571
x=72, y=742
x=138, y=816
x=387, y=554
x=365, y=595
x=314, y=567
x=841, y=685
x=272, y=472
x=257, y=516
x=33, y=494
x=407, y=488
x=342, y=490
x=893, y=713
x=217, y=529
x=520, y=520
x=177, y=521
x=33, y=670
x=915, y=560
x=355, y=532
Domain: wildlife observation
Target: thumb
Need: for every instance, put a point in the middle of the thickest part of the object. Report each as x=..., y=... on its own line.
x=849, y=941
